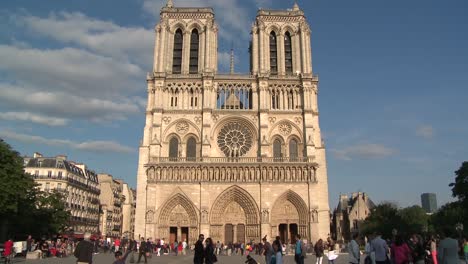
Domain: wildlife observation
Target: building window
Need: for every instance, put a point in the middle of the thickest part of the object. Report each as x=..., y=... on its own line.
x=288, y=53
x=277, y=149
x=194, y=44
x=60, y=174
x=173, y=148
x=191, y=149
x=49, y=174
x=177, y=56
x=273, y=54
x=293, y=150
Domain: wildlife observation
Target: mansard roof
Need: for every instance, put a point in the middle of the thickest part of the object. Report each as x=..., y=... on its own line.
x=60, y=163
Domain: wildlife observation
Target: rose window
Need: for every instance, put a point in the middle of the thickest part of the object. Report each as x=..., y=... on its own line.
x=235, y=139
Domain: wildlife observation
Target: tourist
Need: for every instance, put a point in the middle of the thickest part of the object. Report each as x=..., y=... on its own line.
x=267, y=250
x=465, y=249
x=417, y=248
x=149, y=248
x=210, y=257
x=142, y=250
x=400, y=251
x=198, y=257
x=116, y=245
x=319, y=249
x=250, y=260
x=29, y=243
x=433, y=249
x=278, y=243
x=218, y=247
x=84, y=250
x=447, y=253
x=119, y=258
x=8, y=249
x=278, y=255
x=184, y=247
x=379, y=248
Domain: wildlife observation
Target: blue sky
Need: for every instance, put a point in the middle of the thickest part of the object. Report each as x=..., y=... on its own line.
x=392, y=100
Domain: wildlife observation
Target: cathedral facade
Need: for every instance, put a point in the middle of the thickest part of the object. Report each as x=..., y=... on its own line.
x=233, y=156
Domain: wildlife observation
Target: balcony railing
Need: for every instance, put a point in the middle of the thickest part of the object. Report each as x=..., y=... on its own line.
x=233, y=160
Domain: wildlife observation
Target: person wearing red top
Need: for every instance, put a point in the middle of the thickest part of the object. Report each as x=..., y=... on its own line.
x=117, y=244
x=400, y=251
x=8, y=248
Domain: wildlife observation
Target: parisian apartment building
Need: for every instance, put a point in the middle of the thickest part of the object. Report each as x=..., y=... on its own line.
x=79, y=184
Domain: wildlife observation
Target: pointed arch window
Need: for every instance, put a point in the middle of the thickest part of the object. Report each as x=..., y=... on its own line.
x=288, y=53
x=293, y=149
x=191, y=149
x=277, y=155
x=273, y=54
x=194, y=46
x=177, y=54
x=173, y=149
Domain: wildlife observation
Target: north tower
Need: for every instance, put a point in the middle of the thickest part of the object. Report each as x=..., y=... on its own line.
x=233, y=156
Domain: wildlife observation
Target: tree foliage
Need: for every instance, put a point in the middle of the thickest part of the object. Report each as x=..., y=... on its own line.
x=24, y=209
x=460, y=186
x=382, y=219
x=413, y=219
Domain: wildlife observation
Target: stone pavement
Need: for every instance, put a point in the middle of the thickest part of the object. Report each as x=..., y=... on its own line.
x=108, y=259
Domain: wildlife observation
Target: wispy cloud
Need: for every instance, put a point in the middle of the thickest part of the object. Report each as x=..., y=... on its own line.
x=90, y=146
x=34, y=118
x=363, y=151
x=425, y=131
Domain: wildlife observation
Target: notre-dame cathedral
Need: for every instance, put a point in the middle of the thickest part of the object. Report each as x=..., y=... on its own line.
x=233, y=156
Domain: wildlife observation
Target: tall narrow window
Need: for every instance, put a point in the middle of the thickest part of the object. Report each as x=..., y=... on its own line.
x=273, y=54
x=288, y=53
x=173, y=149
x=191, y=149
x=293, y=150
x=177, y=56
x=194, y=44
x=277, y=150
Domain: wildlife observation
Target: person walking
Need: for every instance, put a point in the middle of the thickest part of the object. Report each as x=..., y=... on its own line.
x=278, y=254
x=354, y=253
x=300, y=250
x=380, y=249
x=465, y=249
x=448, y=248
x=84, y=250
x=417, y=248
x=267, y=250
x=184, y=247
x=142, y=250
x=433, y=248
x=400, y=251
x=199, y=255
x=210, y=256
x=318, y=248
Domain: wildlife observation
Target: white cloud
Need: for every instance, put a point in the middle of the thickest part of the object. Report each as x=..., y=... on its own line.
x=90, y=146
x=66, y=105
x=35, y=118
x=426, y=132
x=133, y=44
x=363, y=151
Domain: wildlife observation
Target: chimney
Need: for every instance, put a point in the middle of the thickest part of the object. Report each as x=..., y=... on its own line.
x=61, y=157
x=37, y=155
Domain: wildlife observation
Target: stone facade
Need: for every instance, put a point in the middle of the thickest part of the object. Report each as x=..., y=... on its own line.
x=128, y=211
x=349, y=215
x=233, y=156
x=111, y=200
x=78, y=183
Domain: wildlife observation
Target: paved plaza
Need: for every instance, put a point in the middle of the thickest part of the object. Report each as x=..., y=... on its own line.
x=108, y=259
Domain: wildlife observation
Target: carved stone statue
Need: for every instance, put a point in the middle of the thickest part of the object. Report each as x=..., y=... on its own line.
x=204, y=216
x=151, y=174
x=265, y=216
x=314, y=216
x=149, y=216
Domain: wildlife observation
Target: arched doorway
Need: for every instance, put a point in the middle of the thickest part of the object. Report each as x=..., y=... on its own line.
x=235, y=217
x=289, y=217
x=178, y=219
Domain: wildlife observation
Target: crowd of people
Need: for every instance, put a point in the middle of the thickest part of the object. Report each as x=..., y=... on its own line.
x=368, y=250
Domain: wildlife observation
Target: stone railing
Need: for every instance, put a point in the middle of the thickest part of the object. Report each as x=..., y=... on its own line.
x=159, y=160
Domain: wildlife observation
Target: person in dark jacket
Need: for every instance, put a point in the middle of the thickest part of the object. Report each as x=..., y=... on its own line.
x=119, y=258
x=142, y=250
x=199, y=257
x=210, y=257
x=84, y=250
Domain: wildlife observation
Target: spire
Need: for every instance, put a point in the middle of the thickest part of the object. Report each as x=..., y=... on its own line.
x=232, y=61
x=170, y=4
x=296, y=6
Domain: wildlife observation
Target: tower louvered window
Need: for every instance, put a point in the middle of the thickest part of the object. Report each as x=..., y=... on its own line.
x=194, y=45
x=177, y=56
x=273, y=54
x=288, y=53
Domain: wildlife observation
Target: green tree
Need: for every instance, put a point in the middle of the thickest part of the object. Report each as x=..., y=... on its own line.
x=460, y=186
x=413, y=220
x=17, y=189
x=51, y=207
x=382, y=219
x=448, y=216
